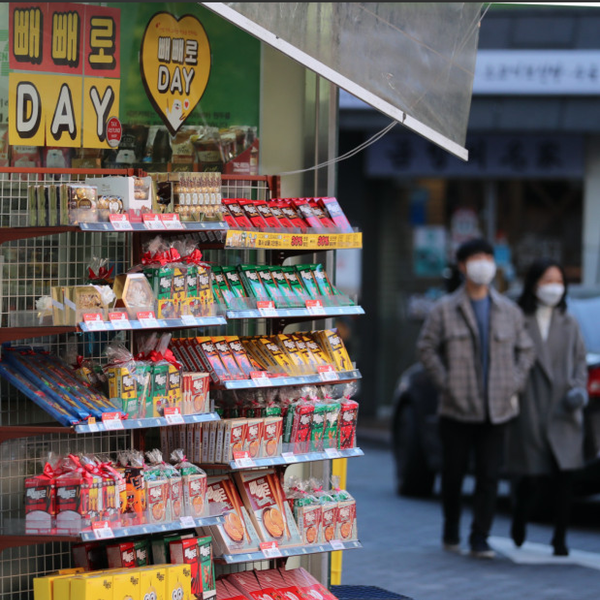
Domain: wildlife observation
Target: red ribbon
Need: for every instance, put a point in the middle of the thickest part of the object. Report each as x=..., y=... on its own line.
x=161, y=258
x=106, y=468
x=168, y=356
x=103, y=273
x=194, y=258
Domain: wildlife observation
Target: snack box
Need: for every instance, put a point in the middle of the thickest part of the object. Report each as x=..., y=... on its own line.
x=304, y=209
x=81, y=202
x=308, y=519
x=153, y=584
x=212, y=357
x=345, y=527
x=178, y=583
x=239, y=354
x=272, y=436
x=125, y=584
x=121, y=556
x=329, y=511
x=135, y=192
x=335, y=347
x=237, y=212
x=194, y=493
x=234, y=438
x=196, y=399
x=227, y=357
x=96, y=587
x=254, y=438
x=252, y=212
x=89, y=556
x=207, y=567
x=236, y=533
x=277, y=212
x=40, y=504
x=347, y=424
x=43, y=587
x=331, y=206
x=264, y=499
x=187, y=552
x=292, y=215
x=267, y=214
x=321, y=214
x=158, y=509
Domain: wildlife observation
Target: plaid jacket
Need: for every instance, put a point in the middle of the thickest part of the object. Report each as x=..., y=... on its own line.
x=448, y=347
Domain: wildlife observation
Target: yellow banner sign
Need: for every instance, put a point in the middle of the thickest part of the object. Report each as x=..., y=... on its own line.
x=292, y=241
x=175, y=65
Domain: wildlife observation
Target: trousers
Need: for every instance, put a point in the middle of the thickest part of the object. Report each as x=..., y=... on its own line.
x=461, y=441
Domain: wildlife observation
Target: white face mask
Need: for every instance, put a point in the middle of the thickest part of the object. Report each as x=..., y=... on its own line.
x=481, y=271
x=550, y=294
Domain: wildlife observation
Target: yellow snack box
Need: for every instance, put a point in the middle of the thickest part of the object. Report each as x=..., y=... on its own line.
x=99, y=587
x=153, y=581
x=126, y=585
x=43, y=587
x=178, y=582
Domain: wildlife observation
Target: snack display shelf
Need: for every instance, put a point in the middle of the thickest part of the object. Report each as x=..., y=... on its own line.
x=121, y=532
x=284, y=313
x=330, y=378
x=134, y=324
x=292, y=241
x=289, y=458
x=184, y=226
x=232, y=559
x=8, y=334
x=13, y=531
x=10, y=234
x=119, y=424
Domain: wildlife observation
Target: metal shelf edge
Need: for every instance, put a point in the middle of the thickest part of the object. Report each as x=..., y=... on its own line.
x=298, y=458
x=145, y=423
x=287, y=381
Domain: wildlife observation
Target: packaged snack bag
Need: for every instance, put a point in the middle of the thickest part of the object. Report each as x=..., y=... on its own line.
x=40, y=498
x=347, y=426
x=194, y=485
x=132, y=467
x=157, y=478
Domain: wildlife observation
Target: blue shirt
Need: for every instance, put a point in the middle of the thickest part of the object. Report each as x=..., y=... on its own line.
x=481, y=308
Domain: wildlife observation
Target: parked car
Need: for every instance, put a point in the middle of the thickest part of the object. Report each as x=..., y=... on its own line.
x=415, y=439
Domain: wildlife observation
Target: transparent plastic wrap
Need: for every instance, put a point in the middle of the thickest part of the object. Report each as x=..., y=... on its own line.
x=131, y=465
x=158, y=489
x=194, y=485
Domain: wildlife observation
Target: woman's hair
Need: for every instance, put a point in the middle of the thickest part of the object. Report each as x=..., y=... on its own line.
x=528, y=300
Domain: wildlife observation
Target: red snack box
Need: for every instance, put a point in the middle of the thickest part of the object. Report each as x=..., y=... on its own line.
x=73, y=507
x=347, y=429
x=301, y=427
x=290, y=212
x=237, y=211
x=329, y=510
x=186, y=552
x=331, y=206
x=228, y=216
x=254, y=437
x=121, y=556
x=89, y=556
x=267, y=214
x=277, y=212
x=251, y=211
x=304, y=209
x=321, y=214
x=40, y=504
x=273, y=429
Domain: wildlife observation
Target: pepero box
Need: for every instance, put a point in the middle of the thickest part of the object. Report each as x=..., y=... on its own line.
x=254, y=437
x=153, y=584
x=186, y=552
x=331, y=206
x=272, y=433
x=207, y=568
x=40, y=504
x=178, y=583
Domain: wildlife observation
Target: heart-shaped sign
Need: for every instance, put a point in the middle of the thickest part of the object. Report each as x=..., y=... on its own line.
x=175, y=66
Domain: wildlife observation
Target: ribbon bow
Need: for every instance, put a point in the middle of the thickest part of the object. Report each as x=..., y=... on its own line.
x=194, y=258
x=168, y=356
x=102, y=275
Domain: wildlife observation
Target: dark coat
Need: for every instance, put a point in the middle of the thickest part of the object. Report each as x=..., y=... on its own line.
x=449, y=348
x=545, y=428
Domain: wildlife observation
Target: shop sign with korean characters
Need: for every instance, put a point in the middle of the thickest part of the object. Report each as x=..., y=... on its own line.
x=64, y=61
x=175, y=65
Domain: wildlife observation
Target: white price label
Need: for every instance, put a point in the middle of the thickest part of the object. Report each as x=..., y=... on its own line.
x=171, y=221
x=153, y=222
x=112, y=421
x=271, y=550
x=266, y=308
x=120, y=223
x=187, y=522
x=327, y=373
x=315, y=307
x=337, y=545
x=96, y=326
x=244, y=463
x=119, y=320
x=189, y=320
x=262, y=382
x=332, y=453
x=102, y=531
x=289, y=457
x=174, y=419
x=147, y=320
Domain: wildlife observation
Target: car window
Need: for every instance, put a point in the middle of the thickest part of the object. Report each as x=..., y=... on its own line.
x=587, y=313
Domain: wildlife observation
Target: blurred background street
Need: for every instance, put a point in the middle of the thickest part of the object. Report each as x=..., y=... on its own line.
x=402, y=550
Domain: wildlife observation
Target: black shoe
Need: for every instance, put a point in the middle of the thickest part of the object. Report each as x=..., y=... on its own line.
x=517, y=531
x=481, y=549
x=451, y=545
x=560, y=548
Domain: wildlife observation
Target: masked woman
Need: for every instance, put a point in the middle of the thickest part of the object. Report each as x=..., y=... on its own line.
x=546, y=440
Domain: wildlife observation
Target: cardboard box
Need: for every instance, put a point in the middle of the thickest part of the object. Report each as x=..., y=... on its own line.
x=186, y=552
x=99, y=587
x=178, y=584
x=153, y=583
x=135, y=192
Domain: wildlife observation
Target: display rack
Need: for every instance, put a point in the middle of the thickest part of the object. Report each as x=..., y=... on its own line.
x=33, y=258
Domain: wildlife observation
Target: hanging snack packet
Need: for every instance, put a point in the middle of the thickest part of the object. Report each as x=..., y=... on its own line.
x=194, y=485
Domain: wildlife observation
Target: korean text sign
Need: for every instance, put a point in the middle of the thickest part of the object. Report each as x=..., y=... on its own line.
x=65, y=69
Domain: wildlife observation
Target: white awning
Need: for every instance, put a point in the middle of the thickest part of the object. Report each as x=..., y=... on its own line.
x=413, y=61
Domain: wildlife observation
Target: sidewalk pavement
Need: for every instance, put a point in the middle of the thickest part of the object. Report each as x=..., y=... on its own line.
x=402, y=548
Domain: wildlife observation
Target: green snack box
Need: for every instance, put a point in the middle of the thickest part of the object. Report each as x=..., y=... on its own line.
x=284, y=287
x=142, y=551
x=161, y=281
x=266, y=278
x=53, y=214
x=207, y=568
x=233, y=281
x=42, y=206
x=330, y=432
x=215, y=275
x=323, y=281
x=295, y=282
x=191, y=281
x=179, y=280
x=317, y=428
x=308, y=279
x=32, y=205
x=252, y=282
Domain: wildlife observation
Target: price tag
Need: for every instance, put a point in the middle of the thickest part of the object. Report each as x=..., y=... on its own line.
x=112, y=421
x=266, y=308
x=92, y=425
x=173, y=416
x=327, y=373
x=260, y=379
x=102, y=530
x=147, y=320
x=337, y=545
x=315, y=307
x=189, y=320
x=119, y=320
x=270, y=550
x=120, y=222
x=332, y=453
x=94, y=321
x=171, y=221
x=152, y=221
x=187, y=522
x=289, y=457
x=243, y=460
